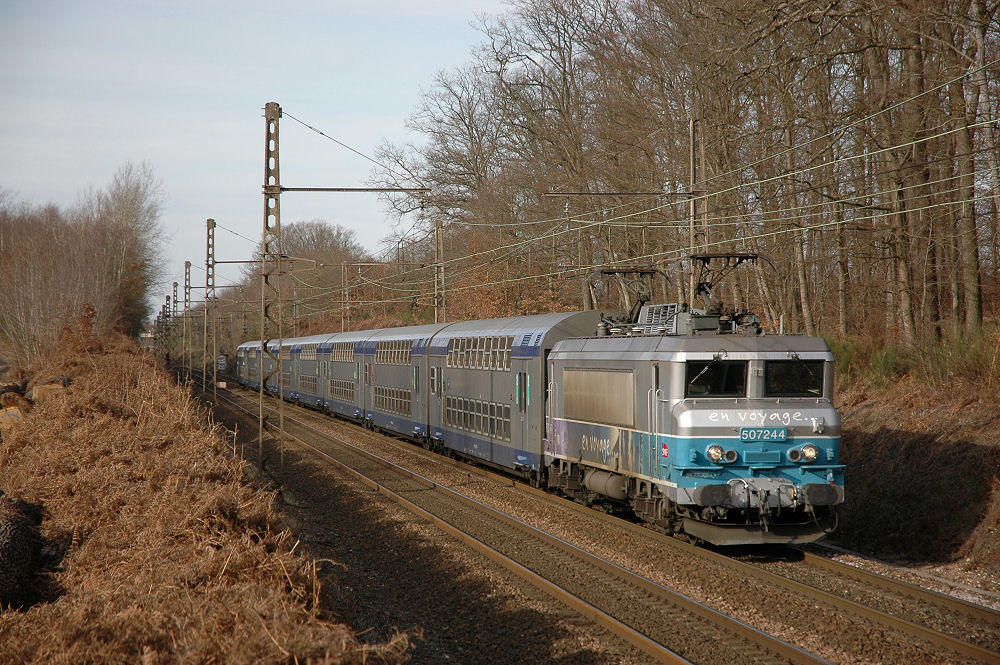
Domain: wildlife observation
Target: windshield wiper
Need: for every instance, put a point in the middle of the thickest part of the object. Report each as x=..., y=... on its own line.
x=715, y=358
x=795, y=356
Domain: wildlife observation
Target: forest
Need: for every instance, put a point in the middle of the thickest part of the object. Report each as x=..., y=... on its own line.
x=100, y=259
x=853, y=146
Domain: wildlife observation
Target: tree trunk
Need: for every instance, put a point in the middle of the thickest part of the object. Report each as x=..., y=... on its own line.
x=968, y=238
x=841, y=274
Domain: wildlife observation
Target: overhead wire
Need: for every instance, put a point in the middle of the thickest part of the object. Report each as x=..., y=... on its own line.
x=238, y=235
x=339, y=142
x=611, y=222
x=702, y=220
x=666, y=254
x=784, y=175
x=859, y=121
x=586, y=224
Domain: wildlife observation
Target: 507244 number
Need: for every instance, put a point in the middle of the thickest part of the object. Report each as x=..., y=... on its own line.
x=750, y=434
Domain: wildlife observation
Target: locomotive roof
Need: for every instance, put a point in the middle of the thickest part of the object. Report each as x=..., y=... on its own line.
x=735, y=346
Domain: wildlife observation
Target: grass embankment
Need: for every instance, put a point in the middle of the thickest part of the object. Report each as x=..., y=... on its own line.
x=164, y=551
x=922, y=448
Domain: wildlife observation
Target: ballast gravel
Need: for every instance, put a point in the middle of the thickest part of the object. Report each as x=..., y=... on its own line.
x=385, y=570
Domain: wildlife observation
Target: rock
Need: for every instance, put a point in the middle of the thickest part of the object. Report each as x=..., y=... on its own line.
x=13, y=407
x=49, y=387
x=45, y=391
x=59, y=379
x=13, y=400
x=20, y=543
x=9, y=417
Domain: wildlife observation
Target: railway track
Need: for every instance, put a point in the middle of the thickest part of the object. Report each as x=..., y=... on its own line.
x=946, y=624
x=664, y=624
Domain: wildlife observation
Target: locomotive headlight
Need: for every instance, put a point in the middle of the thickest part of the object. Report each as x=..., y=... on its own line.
x=809, y=453
x=714, y=453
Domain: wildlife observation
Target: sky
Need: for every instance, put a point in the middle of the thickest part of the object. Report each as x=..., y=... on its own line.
x=89, y=85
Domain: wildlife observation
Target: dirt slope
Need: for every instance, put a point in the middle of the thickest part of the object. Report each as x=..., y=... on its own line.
x=158, y=548
x=923, y=465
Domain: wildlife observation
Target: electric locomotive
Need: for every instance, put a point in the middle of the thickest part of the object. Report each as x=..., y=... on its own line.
x=727, y=437
x=692, y=419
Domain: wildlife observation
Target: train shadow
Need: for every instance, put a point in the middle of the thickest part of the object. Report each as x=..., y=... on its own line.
x=911, y=496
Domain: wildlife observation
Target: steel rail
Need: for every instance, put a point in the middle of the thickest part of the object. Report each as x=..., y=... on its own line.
x=972, y=610
x=653, y=648
x=982, y=593
x=930, y=635
x=958, y=605
x=642, y=642
x=904, y=588
x=959, y=646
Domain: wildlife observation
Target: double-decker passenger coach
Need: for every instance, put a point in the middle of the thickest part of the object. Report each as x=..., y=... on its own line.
x=488, y=382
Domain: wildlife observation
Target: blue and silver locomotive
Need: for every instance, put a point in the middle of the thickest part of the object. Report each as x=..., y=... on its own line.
x=732, y=439
x=692, y=420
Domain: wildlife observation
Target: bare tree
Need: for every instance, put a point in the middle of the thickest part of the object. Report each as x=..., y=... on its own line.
x=104, y=254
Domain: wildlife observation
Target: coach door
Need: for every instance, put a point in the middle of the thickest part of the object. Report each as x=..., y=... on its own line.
x=521, y=397
x=369, y=386
x=435, y=410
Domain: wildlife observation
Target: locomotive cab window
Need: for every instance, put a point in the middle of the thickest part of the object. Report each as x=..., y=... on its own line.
x=716, y=378
x=793, y=378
